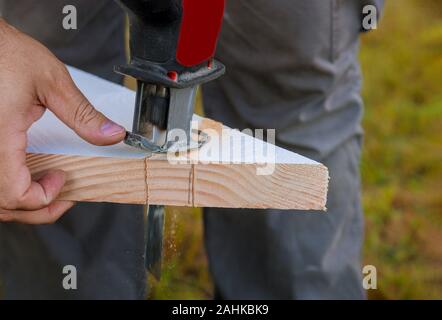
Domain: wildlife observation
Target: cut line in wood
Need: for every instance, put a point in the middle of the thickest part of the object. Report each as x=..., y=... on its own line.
x=203, y=178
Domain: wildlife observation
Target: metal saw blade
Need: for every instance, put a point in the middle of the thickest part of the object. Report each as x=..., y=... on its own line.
x=154, y=239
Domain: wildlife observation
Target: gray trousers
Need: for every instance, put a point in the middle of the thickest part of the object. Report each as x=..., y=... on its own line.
x=277, y=254
x=292, y=66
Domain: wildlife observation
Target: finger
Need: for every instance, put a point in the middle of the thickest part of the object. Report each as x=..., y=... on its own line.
x=71, y=106
x=47, y=215
x=42, y=192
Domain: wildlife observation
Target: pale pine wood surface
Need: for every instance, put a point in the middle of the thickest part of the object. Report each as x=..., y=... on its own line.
x=201, y=178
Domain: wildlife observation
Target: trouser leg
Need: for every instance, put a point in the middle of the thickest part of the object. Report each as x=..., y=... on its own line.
x=104, y=242
x=277, y=254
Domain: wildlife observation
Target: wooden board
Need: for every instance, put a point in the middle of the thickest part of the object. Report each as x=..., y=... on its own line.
x=260, y=175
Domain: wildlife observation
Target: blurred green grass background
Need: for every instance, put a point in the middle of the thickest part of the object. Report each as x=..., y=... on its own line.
x=401, y=166
x=402, y=160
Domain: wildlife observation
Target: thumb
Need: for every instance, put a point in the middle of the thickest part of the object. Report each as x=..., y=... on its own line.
x=66, y=101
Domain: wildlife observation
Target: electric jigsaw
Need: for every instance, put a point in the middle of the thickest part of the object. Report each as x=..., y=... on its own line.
x=172, y=47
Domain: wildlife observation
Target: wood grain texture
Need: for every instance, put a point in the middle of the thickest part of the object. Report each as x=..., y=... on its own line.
x=169, y=184
x=142, y=181
x=238, y=186
x=212, y=176
x=97, y=179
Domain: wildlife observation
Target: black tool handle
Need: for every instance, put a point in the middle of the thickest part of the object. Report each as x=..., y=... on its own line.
x=154, y=28
x=153, y=10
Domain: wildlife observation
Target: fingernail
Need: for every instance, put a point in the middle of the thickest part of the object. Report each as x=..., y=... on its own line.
x=110, y=129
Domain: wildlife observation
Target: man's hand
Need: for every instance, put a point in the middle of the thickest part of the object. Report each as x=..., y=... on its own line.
x=31, y=80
